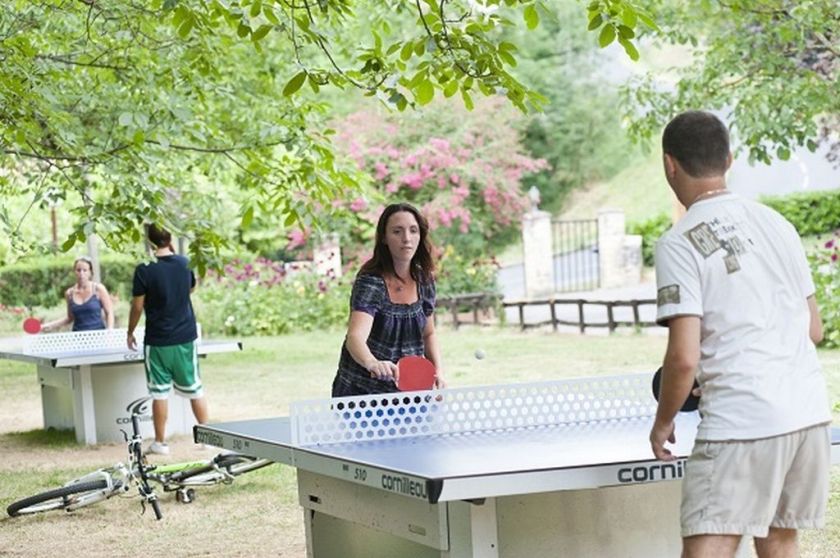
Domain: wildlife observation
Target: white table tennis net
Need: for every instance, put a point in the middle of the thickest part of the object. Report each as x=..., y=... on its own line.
x=471, y=409
x=79, y=341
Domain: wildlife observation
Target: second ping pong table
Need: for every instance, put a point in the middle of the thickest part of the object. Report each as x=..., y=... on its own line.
x=92, y=383
x=551, y=469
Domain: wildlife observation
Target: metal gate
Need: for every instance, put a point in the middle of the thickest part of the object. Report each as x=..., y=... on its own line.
x=575, y=246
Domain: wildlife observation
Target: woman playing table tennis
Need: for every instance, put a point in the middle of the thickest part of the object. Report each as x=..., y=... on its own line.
x=390, y=307
x=86, y=302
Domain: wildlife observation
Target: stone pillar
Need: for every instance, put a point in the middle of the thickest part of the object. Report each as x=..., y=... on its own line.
x=326, y=255
x=611, y=247
x=632, y=259
x=537, y=254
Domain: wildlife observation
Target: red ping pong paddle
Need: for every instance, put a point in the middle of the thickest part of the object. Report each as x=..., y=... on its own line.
x=416, y=374
x=32, y=325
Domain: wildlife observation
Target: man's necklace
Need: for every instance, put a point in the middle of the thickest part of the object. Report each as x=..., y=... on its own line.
x=708, y=194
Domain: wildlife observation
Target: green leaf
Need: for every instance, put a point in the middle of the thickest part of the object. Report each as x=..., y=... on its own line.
x=269, y=14
x=261, y=32
x=532, y=18
x=628, y=16
x=313, y=84
x=783, y=153
x=595, y=22
x=185, y=28
x=504, y=45
x=424, y=92
x=647, y=20
x=468, y=102
x=69, y=243
x=507, y=57
x=626, y=32
x=451, y=88
x=243, y=30
x=291, y=218
x=607, y=35
x=294, y=84
x=247, y=217
x=405, y=51
x=629, y=48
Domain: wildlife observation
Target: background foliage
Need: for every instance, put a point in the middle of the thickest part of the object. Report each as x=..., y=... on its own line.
x=42, y=281
x=816, y=212
x=265, y=298
x=826, y=274
x=650, y=231
x=771, y=67
x=137, y=111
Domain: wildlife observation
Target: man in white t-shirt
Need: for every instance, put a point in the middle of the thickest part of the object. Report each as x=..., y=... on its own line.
x=735, y=290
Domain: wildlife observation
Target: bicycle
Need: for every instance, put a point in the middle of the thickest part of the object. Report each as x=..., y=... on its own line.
x=103, y=484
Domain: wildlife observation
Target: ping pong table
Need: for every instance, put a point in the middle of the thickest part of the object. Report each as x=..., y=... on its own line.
x=547, y=469
x=91, y=382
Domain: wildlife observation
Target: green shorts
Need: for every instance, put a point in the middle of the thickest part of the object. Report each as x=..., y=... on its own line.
x=173, y=365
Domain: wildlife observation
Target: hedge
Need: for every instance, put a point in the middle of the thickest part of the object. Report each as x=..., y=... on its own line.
x=650, y=231
x=812, y=213
x=42, y=281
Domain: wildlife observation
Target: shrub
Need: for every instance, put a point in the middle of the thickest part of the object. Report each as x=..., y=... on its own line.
x=459, y=274
x=461, y=168
x=826, y=273
x=650, y=230
x=264, y=298
x=810, y=212
x=42, y=281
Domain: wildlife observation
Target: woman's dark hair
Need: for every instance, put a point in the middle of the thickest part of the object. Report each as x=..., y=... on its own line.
x=422, y=264
x=159, y=236
x=699, y=141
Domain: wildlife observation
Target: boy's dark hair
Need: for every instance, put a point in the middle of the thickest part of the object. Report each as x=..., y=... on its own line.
x=699, y=141
x=159, y=236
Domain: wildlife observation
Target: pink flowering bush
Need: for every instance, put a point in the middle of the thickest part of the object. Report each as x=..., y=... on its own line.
x=265, y=297
x=825, y=266
x=463, y=169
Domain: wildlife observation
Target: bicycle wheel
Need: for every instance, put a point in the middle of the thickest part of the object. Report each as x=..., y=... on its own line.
x=56, y=499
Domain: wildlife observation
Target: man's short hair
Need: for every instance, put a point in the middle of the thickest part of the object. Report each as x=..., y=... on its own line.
x=159, y=236
x=699, y=141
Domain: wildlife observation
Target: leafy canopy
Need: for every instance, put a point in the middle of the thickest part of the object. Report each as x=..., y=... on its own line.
x=133, y=111
x=772, y=66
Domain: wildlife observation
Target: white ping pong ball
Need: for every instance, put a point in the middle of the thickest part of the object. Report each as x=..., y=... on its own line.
x=479, y=354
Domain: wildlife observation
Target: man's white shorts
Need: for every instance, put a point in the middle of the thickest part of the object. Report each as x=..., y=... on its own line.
x=744, y=487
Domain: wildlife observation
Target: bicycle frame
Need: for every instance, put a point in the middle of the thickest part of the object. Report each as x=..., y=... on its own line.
x=117, y=480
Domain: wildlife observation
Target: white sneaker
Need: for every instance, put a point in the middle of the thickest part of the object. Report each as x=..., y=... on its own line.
x=160, y=448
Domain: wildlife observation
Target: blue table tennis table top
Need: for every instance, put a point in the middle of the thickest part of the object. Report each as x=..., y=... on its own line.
x=477, y=464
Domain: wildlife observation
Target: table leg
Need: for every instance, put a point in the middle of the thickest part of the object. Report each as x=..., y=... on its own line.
x=473, y=530
x=83, y=411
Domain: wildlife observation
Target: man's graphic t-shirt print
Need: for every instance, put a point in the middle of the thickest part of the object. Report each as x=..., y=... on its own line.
x=669, y=294
x=708, y=238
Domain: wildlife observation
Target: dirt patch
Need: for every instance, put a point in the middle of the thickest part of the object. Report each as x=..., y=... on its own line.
x=256, y=516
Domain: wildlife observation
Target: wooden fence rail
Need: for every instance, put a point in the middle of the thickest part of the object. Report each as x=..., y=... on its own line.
x=483, y=309
x=581, y=322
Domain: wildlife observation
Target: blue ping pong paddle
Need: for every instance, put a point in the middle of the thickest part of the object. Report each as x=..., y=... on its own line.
x=416, y=374
x=690, y=404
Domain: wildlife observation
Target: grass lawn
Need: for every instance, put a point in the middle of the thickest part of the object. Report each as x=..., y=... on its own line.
x=259, y=514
